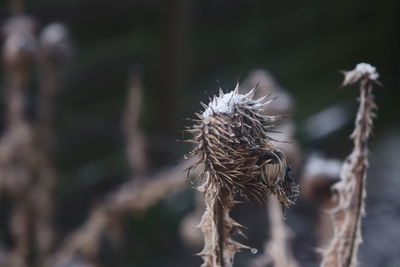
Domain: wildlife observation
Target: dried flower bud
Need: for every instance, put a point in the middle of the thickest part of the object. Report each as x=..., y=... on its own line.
x=231, y=139
x=55, y=43
x=238, y=156
x=20, y=42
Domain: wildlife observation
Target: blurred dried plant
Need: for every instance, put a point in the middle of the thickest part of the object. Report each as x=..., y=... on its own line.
x=133, y=197
x=16, y=145
x=27, y=175
x=238, y=157
x=53, y=51
x=319, y=174
x=350, y=192
x=27, y=172
x=128, y=199
x=278, y=249
x=136, y=142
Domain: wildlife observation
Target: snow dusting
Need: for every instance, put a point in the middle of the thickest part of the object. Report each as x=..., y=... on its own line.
x=224, y=104
x=367, y=69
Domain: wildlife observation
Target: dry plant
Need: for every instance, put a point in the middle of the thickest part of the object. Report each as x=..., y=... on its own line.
x=318, y=176
x=133, y=197
x=350, y=190
x=238, y=158
x=136, y=142
x=128, y=199
x=281, y=105
x=277, y=250
x=54, y=49
x=16, y=145
x=27, y=173
x=27, y=176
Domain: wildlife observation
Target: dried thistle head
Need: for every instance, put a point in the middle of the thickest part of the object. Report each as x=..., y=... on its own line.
x=232, y=142
x=55, y=44
x=20, y=42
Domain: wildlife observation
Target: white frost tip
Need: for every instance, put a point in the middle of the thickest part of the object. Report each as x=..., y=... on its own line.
x=224, y=103
x=367, y=69
x=360, y=71
x=54, y=34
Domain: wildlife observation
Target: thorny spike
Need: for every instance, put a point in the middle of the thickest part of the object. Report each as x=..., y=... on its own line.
x=250, y=94
x=203, y=105
x=198, y=115
x=221, y=93
x=236, y=90
x=215, y=100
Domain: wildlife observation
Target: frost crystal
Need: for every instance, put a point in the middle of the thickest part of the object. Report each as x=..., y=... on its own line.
x=367, y=69
x=362, y=70
x=225, y=103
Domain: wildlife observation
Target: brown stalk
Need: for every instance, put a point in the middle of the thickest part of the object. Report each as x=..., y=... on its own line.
x=16, y=144
x=218, y=227
x=27, y=173
x=135, y=138
x=277, y=250
x=350, y=190
x=53, y=50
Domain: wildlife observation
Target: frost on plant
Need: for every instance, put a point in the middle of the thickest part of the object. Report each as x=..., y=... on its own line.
x=238, y=158
x=361, y=71
x=350, y=190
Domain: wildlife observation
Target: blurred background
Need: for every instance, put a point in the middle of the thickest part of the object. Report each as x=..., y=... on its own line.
x=170, y=55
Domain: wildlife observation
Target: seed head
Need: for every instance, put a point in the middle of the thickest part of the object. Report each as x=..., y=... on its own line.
x=232, y=142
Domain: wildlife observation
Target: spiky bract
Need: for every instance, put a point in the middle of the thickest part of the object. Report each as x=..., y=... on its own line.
x=232, y=142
